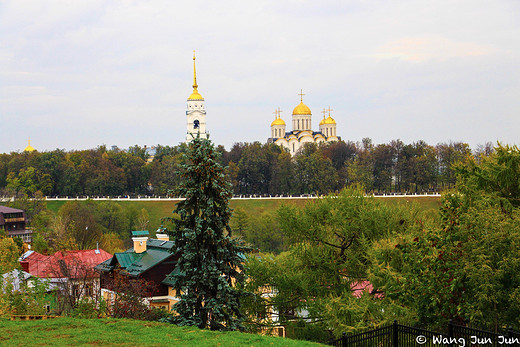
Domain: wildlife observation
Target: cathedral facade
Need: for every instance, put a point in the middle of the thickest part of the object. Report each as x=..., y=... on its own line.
x=195, y=113
x=302, y=132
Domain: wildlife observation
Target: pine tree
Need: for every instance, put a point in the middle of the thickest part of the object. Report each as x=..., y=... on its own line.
x=210, y=263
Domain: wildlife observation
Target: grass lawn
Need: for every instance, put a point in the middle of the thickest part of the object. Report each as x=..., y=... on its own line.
x=159, y=209
x=124, y=332
x=425, y=203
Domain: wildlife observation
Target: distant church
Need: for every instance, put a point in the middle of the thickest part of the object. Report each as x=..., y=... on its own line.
x=302, y=129
x=29, y=148
x=195, y=114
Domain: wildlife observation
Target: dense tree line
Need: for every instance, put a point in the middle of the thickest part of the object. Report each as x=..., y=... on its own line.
x=88, y=172
x=253, y=168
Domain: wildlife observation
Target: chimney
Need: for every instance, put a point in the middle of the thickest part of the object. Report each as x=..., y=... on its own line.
x=140, y=237
x=162, y=237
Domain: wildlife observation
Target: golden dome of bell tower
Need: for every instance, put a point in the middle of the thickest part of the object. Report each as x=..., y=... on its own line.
x=195, y=95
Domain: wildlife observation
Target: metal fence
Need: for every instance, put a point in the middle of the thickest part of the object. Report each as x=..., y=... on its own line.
x=398, y=335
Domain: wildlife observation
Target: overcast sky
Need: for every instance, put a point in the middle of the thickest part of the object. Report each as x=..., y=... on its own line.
x=78, y=74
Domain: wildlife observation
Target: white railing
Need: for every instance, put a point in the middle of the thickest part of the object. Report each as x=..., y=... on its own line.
x=236, y=197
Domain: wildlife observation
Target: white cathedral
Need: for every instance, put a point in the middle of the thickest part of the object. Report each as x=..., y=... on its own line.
x=302, y=129
x=293, y=140
x=196, y=114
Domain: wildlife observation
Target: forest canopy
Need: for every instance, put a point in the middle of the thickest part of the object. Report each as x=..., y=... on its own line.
x=252, y=168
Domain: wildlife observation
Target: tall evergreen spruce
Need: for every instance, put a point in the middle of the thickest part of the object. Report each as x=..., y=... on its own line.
x=210, y=260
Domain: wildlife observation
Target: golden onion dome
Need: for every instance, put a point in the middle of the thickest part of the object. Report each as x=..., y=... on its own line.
x=301, y=109
x=29, y=148
x=329, y=120
x=278, y=121
x=322, y=121
x=195, y=95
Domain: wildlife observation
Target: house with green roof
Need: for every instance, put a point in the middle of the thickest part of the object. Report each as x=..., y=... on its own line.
x=149, y=259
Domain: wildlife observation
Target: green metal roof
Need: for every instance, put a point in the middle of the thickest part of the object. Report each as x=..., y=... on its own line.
x=126, y=259
x=170, y=280
x=167, y=245
x=151, y=257
x=135, y=264
x=137, y=233
x=104, y=266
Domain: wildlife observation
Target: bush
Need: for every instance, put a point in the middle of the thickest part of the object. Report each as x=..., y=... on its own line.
x=86, y=308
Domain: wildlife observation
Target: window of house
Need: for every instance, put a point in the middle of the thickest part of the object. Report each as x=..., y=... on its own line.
x=76, y=290
x=88, y=290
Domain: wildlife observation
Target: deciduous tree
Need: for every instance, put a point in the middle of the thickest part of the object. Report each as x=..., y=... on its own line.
x=315, y=280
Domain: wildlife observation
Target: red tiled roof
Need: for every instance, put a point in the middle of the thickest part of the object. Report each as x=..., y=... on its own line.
x=78, y=263
x=358, y=288
x=36, y=264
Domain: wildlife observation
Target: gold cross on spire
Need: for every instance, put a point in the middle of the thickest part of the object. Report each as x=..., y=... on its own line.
x=278, y=112
x=329, y=109
x=301, y=95
x=194, y=75
x=324, y=112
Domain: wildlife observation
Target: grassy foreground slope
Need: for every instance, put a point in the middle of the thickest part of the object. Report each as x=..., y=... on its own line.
x=159, y=209
x=124, y=332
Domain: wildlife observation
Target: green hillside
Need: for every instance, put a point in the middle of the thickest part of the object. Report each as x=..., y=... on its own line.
x=124, y=332
x=160, y=209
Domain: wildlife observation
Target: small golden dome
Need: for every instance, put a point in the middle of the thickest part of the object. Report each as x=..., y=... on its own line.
x=29, y=148
x=322, y=121
x=329, y=120
x=278, y=121
x=301, y=109
x=195, y=96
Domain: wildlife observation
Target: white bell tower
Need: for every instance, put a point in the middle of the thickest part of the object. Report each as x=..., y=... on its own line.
x=196, y=113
